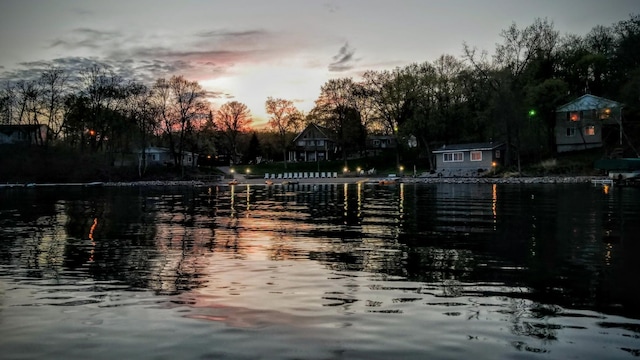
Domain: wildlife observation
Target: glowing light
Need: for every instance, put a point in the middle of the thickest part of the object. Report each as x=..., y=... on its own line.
x=345, y=169
x=532, y=112
x=401, y=168
x=92, y=132
x=494, y=164
x=290, y=80
x=248, y=171
x=574, y=116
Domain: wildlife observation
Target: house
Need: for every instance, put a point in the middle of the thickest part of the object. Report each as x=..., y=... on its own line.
x=468, y=159
x=24, y=134
x=314, y=143
x=378, y=142
x=163, y=156
x=581, y=122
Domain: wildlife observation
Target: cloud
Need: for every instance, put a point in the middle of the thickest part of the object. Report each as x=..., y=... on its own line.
x=86, y=38
x=230, y=34
x=331, y=7
x=344, y=60
x=218, y=95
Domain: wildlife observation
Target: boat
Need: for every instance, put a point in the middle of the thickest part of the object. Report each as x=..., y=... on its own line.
x=233, y=182
x=268, y=182
x=388, y=182
x=290, y=182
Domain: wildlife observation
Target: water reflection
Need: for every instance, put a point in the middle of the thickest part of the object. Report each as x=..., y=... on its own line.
x=535, y=257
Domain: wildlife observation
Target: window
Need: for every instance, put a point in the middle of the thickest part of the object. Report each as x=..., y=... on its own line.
x=301, y=142
x=497, y=154
x=320, y=142
x=154, y=157
x=476, y=156
x=590, y=130
x=571, y=132
x=574, y=116
x=450, y=157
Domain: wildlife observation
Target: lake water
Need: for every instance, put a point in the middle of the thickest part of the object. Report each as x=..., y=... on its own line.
x=440, y=271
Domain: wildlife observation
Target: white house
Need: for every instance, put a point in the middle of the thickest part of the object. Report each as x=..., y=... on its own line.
x=163, y=156
x=468, y=159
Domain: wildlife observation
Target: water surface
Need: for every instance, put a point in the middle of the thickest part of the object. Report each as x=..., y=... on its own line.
x=443, y=271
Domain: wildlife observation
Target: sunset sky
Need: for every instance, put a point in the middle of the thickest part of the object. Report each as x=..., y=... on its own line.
x=247, y=50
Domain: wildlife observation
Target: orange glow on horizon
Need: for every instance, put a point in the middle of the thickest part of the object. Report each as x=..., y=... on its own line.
x=252, y=85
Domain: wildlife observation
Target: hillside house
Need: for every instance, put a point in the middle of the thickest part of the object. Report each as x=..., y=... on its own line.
x=314, y=143
x=468, y=159
x=580, y=123
x=163, y=156
x=24, y=134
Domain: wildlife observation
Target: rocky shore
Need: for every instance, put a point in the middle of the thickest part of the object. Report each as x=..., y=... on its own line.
x=338, y=180
x=412, y=180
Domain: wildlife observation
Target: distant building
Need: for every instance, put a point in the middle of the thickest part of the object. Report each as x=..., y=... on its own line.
x=163, y=156
x=468, y=159
x=314, y=143
x=580, y=123
x=24, y=134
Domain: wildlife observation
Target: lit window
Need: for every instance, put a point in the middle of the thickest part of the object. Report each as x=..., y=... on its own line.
x=571, y=132
x=605, y=113
x=450, y=157
x=476, y=156
x=574, y=116
x=590, y=130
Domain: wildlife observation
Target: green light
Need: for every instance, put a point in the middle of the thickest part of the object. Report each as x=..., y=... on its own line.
x=532, y=112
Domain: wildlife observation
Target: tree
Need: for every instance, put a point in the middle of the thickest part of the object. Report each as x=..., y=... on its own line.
x=509, y=75
x=394, y=95
x=8, y=103
x=53, y=84
x=233, y=118
x=285, y=118
x=254, y=150
x=181, y=105
x=141, y=112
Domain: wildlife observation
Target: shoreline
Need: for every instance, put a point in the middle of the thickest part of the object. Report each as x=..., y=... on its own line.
x=339, y=180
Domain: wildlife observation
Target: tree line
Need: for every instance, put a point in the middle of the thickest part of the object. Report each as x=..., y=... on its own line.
x=509, y=96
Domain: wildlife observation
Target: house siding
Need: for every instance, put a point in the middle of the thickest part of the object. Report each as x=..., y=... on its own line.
x=581, y=122
x=578, y=138
x=466, y=163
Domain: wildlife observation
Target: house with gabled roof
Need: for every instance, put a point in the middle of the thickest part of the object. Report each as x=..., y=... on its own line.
x=29, y=134
x=580, y=123
x=468, y=159
x=314, y=143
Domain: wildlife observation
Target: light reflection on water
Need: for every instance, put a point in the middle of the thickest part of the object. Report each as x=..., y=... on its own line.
x=320, y=271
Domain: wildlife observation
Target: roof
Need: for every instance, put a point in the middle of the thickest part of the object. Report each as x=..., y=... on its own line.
x=468, y=147
x=588, y=102
x=323, y=130
x=160, y=150
x=9, y=129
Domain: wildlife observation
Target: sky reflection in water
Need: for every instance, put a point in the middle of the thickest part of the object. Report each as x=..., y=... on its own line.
x=331, y=271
